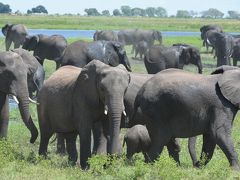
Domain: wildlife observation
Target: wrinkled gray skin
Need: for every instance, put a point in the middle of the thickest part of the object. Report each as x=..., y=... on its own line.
x=80, y=99
x=107, y=35
x=141, y=48
x=204, y=35
x=236, y=51
x=137, y=140
x=35, y=73
x=80, y=53
x=46, y=47
x=13, y=81
x=210, y=113
x=161, y=57
x=224, y=48
x=15, y=33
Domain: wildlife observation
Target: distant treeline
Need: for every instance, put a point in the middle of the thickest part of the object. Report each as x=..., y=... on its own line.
x=128, y=11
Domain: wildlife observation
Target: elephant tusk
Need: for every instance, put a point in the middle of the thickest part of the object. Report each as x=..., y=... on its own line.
x=32, y=101
x=124, y=113
x=15, y=99
x=105, y=112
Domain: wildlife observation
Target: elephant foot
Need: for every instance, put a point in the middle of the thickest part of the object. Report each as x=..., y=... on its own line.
x=236, y=168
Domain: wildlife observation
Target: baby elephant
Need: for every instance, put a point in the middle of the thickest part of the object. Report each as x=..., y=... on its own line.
x=141, y=48
x=137, y=140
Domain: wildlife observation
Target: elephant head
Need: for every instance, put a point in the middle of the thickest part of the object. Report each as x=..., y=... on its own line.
x=157, y=35
x=206, y=28
x=13, y=81
x=96, y=34
x=100, y=90
x=30, y=42
x=190, y=55
x=121, y=52
x=6, y=28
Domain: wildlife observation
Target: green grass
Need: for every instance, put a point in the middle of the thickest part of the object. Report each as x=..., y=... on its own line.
x=19, y=159
x=84, y=22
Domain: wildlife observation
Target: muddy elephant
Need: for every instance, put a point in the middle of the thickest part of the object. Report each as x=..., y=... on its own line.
x=161, y=57
x=72, y=99
x=137, y=140
x=173, y=112
x=107, y=35
x=46, y=47
x=80, y=53
x=35, y=74
x=13, y=81
x=15, y=33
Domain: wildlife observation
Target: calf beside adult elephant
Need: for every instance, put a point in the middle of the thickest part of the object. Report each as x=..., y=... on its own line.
x=81, y=53
x=72, y=99
x=13, y=81
x=166, y=99
x=15, y=33
x=107, y=35
x=161, y=57
x=46, y=47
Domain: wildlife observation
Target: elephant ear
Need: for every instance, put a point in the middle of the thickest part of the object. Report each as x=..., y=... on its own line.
x=5, y=29
x=229, y=84
x=223, y=68
x=33, y=41
x=185, y=55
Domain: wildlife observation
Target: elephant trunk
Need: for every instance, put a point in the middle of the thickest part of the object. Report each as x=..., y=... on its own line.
x=24, y=111
x=199, y=65
x=126, y=62
x=115, y=113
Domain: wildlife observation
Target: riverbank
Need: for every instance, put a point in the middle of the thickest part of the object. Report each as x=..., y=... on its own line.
x=116, y=23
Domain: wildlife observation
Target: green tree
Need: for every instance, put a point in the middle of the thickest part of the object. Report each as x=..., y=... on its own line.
x=138, y=12
x=234, y=14
x=161, y=12
x=212, y=13
x=39, y=9
x=105, y=13
x=116, y=12
x=183, y=14
x=92, y=12
x=150, y=11
x=126, y=10
x=5, y=8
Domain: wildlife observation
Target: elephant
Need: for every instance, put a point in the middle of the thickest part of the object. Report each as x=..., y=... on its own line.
x=149, y=36
x=127, y=37
x=13, y=81
x=236, y=51
x=160, y=57
x=15, y=33
x=107, y=35
x=204, y=29
x=80, y=53
x=73, y=99
x=166, y=99
x=46, y=47
x=35, y=74
x=141, y=48
x=224, y=48
x=137, y=140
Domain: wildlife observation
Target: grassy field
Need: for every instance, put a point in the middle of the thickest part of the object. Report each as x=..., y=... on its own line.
x=115, y=23
x=19, y=159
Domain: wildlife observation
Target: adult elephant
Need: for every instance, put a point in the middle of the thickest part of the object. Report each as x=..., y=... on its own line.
x=46, y=47
x=107, y=35
x=204, y=29
x=148, y=36
x=166, y=100
x=35, y=74
x=127, y=37
x=15, y=33
x=224, y=48
x=72, y=99
x=80, y=53
x=13, y=81
x=161, y=57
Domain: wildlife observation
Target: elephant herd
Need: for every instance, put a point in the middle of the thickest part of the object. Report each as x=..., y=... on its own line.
x=94, y=92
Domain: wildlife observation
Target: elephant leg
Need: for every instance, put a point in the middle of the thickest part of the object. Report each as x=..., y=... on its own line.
x=191, y=149
x=46, y=134
x=7, y=44
x=224, y=141
x=234, y=62
x=85, y=146
x=136, y=53
x=71, y=147
x=100, y=140
x=4, y=115
x=61, y=149
x=174, y=149
x=133, y=48
x=58, y=65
